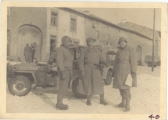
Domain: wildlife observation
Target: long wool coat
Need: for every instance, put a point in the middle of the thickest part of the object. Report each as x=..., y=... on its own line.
x=92, y=84
x=28, y=54
x=125, y=63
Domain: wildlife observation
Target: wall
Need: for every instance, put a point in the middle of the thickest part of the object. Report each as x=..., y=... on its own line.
x=133, y=39
x=21, y=16
x=63, y=28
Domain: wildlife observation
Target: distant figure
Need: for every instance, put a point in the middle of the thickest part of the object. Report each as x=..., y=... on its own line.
x=27, y=53
x=32, y=47
x=52, y=61
x=52, y=48
x=36, y=53
x=19, y=59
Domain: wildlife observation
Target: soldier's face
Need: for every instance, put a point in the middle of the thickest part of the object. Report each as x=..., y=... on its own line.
x=91, y=43
x=68, y=43
x=123, y=44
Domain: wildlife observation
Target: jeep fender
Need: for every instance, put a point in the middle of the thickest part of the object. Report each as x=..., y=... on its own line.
x=32, y=73
x=74, y=78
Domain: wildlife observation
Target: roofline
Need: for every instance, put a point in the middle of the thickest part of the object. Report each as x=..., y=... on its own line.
x=107, y=22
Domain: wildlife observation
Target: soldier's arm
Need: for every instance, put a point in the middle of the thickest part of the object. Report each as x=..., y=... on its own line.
x=115, y=62
x=133, y=61
x=81, y=59
x=101, y=59
x=60, y=59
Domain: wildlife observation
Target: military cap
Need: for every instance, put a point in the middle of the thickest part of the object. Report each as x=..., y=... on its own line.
x=90, y=39
x=122, y=39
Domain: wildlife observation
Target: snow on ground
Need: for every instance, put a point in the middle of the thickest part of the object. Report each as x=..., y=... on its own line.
x=145, y=98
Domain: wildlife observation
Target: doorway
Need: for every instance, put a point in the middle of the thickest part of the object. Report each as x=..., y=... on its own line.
x=28, y=34
x=52, y=43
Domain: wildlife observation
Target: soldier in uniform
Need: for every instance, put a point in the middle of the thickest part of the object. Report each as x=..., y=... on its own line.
x=64, y=61
x=27, y=53
x=89, y=64
x=52, y=61
x=36, y=53
x=125, y=63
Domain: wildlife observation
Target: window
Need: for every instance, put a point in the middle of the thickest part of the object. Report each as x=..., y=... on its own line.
x=97, y=34
x=73, y=24
x=54, y=19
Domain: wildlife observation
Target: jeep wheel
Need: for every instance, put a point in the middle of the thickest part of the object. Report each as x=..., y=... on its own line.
x=19, y=85
x=75, y=90
x=108, y=79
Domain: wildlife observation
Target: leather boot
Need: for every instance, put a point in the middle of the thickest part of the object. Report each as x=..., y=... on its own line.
x=61, y=106
x=65, y=105
x=88, y=100
x=102, y=101
x=122, y=104
x=127, y=107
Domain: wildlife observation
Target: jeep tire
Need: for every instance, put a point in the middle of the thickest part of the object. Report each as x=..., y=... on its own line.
x=19, y=85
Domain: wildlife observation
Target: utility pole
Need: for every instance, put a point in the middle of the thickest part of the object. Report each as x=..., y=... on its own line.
x=153, y=40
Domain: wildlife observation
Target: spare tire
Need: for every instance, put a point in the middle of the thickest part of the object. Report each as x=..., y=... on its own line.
x=75, y=89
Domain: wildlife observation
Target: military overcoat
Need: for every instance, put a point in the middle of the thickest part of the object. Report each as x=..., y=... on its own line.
x=92, y=84
x=125, y=63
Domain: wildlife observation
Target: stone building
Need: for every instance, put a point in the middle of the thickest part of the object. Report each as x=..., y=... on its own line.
x=145, y=31
x=107, y=34
x=46, y=26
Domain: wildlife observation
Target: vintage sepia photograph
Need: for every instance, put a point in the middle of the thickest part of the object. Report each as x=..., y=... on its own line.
x=84, y=60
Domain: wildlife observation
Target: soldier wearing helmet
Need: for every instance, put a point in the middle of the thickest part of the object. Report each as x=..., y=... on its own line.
x=65, y=63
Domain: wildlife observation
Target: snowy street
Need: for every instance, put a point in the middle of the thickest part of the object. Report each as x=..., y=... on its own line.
x=145, y=98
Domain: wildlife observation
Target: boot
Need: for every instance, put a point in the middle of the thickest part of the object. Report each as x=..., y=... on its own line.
x=127, y=107
x=88, y=100
x=61, y=106
x=102, y=101
x=65, y=105
x=122, y=104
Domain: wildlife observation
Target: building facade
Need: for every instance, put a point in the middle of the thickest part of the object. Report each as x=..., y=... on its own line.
x=46, y=27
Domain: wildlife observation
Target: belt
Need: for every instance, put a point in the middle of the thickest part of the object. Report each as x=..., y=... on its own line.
x=97, y=66
x=67, y=68
x=125, y=62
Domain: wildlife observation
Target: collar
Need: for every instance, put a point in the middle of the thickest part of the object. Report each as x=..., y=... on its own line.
x=62, y=45
x=126, y=48
x=91, y=50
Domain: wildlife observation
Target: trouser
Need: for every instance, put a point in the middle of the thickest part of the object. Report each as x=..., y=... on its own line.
x=63, y=85
x=35, y=60
x=125, y=93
